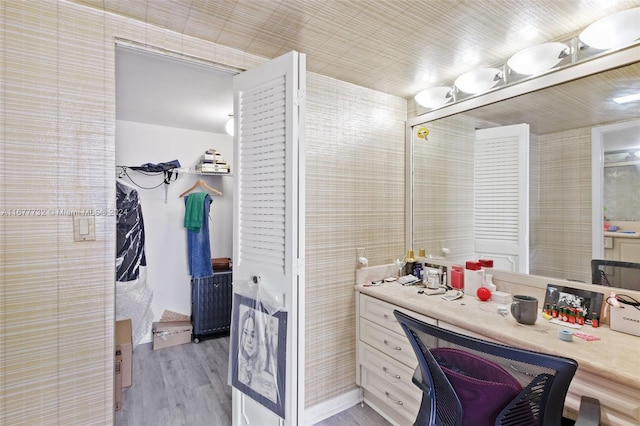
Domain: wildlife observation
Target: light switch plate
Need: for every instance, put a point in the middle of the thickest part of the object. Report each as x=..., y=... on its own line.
x=84, y=228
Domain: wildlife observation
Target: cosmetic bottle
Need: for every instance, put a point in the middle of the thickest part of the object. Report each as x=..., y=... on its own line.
x=433, y=278
x=457, y=277
x=408, y=268
x=488, y=282
x=418, y=271
x=473, y=278
x=486, y=263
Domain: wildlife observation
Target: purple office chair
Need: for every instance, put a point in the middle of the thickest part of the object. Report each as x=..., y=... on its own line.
x=469, y=381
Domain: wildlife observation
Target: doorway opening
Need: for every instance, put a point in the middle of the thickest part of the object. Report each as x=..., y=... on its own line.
x=171, y=109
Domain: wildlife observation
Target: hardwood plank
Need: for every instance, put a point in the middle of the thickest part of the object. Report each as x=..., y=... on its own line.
x=358, y=415
x=188, y=385
x=181, y=385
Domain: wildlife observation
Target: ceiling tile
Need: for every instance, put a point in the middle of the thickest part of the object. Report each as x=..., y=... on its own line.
x=396, y=46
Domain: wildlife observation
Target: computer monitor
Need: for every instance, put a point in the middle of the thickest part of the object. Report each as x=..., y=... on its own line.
x=614, y=273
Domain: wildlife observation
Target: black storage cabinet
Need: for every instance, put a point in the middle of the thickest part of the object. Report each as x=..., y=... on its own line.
x=211, y=304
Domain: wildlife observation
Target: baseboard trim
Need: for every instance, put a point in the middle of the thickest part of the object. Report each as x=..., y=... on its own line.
x=331, y=407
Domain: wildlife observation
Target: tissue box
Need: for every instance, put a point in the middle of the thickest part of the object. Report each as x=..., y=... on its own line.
x=501, y=297
x=625, y=319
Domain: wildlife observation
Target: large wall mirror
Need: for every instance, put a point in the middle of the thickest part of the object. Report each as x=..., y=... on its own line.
x=563, y=223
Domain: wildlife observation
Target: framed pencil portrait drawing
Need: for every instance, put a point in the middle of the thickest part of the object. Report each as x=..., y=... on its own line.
x=258, y=353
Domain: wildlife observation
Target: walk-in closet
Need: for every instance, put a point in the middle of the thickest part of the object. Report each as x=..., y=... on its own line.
x=174, y=170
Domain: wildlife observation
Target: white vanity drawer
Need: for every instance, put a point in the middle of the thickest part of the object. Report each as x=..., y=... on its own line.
x=608, y=242
x=392, y=371
x=395, y=345
x=396, y=399
x=619, y=404
x=379, y=312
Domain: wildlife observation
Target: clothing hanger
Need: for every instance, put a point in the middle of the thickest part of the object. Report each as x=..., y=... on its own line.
x=203, y=184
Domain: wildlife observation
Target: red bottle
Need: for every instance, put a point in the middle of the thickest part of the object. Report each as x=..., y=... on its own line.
x=457, y=277
x=486, y=263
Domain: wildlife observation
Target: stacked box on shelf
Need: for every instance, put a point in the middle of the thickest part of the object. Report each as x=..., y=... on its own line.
x=212, y=162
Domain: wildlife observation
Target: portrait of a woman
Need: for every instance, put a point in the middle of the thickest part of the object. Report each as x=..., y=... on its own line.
x=249, y=347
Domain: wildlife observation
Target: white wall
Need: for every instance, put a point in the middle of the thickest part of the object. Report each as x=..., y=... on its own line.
x=166, y=240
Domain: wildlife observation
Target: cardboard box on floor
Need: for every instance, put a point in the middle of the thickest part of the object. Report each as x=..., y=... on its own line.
x=124, y=350
x=118, y=385
x=171, y=333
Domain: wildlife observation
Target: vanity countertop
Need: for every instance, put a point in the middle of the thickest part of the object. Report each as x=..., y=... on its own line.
x=622, y=234
x=614, y=357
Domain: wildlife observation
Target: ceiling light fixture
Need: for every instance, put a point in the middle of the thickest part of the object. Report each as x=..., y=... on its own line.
x=626, y=99
x=230, y=125
x=614, y=30
x=434, y=97
x=537, y=59
x=479, y=80
x=620, y=30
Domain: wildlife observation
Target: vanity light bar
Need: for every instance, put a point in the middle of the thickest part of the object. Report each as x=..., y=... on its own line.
x=627, y=99
x=614, y=31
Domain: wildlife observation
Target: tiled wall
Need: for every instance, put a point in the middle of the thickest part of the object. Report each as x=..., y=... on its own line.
x=443, y=188
x=57, y=157
x=355, y=198
x=56, y=314
x=58, y=118
x=561, y=235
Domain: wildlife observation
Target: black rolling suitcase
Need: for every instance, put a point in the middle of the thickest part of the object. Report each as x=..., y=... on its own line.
x=211, y=304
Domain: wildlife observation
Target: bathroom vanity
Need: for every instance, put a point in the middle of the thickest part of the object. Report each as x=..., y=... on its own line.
x=608, y=368
x=622, y=246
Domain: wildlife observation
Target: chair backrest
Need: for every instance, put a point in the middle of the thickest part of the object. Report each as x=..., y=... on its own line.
x=615, y=273
x=469, y=381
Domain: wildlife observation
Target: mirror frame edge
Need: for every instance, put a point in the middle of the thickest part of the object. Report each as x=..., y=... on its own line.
x=611, y=60
x=597, y=182
x=408, y=192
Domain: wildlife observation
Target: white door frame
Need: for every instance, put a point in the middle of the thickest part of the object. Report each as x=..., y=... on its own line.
x=597, y=182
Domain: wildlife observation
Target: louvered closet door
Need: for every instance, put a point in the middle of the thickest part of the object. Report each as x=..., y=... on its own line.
x=269, y=211
x=501, y=196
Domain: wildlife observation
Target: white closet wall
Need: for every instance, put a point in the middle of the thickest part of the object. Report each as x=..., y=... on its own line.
x=166, y=240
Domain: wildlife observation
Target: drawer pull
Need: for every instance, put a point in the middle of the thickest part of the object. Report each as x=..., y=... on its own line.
x=397, y=348
x=389, y=318
x=395, y=401
x=394, y=376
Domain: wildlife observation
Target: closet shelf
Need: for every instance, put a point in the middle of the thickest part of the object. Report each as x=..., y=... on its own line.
x=623, y=163
x=196, y=172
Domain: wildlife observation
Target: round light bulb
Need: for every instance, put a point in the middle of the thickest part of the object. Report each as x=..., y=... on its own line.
x=434, y=97
x=613, y=30
x=478, y=81
x=537, y=59
x=230, y=126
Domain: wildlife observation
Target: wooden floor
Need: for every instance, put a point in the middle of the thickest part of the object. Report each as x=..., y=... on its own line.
x=186, y=385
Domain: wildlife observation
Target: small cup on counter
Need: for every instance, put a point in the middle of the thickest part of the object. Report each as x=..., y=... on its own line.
x=524, y=309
